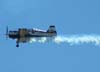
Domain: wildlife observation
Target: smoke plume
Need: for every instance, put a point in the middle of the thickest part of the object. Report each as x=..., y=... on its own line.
x=71, y=39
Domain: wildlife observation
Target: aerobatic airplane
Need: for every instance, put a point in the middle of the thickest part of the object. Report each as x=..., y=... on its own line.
x=23, y=35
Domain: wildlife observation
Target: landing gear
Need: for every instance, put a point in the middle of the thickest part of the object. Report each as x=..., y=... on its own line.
x=17, y=45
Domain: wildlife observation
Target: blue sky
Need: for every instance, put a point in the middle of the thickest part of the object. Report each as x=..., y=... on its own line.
x=69, y=17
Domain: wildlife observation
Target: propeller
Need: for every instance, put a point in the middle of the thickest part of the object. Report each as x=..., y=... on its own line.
x=7, y=32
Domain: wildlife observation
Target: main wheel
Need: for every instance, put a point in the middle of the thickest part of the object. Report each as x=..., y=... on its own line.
x=17, y=45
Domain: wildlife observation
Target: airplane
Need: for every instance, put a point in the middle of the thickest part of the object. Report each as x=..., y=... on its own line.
x=23, y=35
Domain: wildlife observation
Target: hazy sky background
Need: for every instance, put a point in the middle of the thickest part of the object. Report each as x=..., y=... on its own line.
x=69, y=17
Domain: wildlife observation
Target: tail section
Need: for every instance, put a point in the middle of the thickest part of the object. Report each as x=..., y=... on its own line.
x=52, y=29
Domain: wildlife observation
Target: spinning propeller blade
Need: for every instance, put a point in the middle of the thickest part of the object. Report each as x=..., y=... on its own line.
x=7, y=32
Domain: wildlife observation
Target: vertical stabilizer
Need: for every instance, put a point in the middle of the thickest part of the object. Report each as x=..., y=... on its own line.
x=52, y=29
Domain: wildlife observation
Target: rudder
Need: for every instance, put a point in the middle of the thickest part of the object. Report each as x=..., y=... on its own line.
x=52, y=29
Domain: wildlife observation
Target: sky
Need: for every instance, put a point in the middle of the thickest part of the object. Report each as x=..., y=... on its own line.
x=69, y=17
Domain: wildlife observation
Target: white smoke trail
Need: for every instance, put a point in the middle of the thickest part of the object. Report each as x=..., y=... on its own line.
x=78, y=39
x=40, y=40
x=72, y=39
